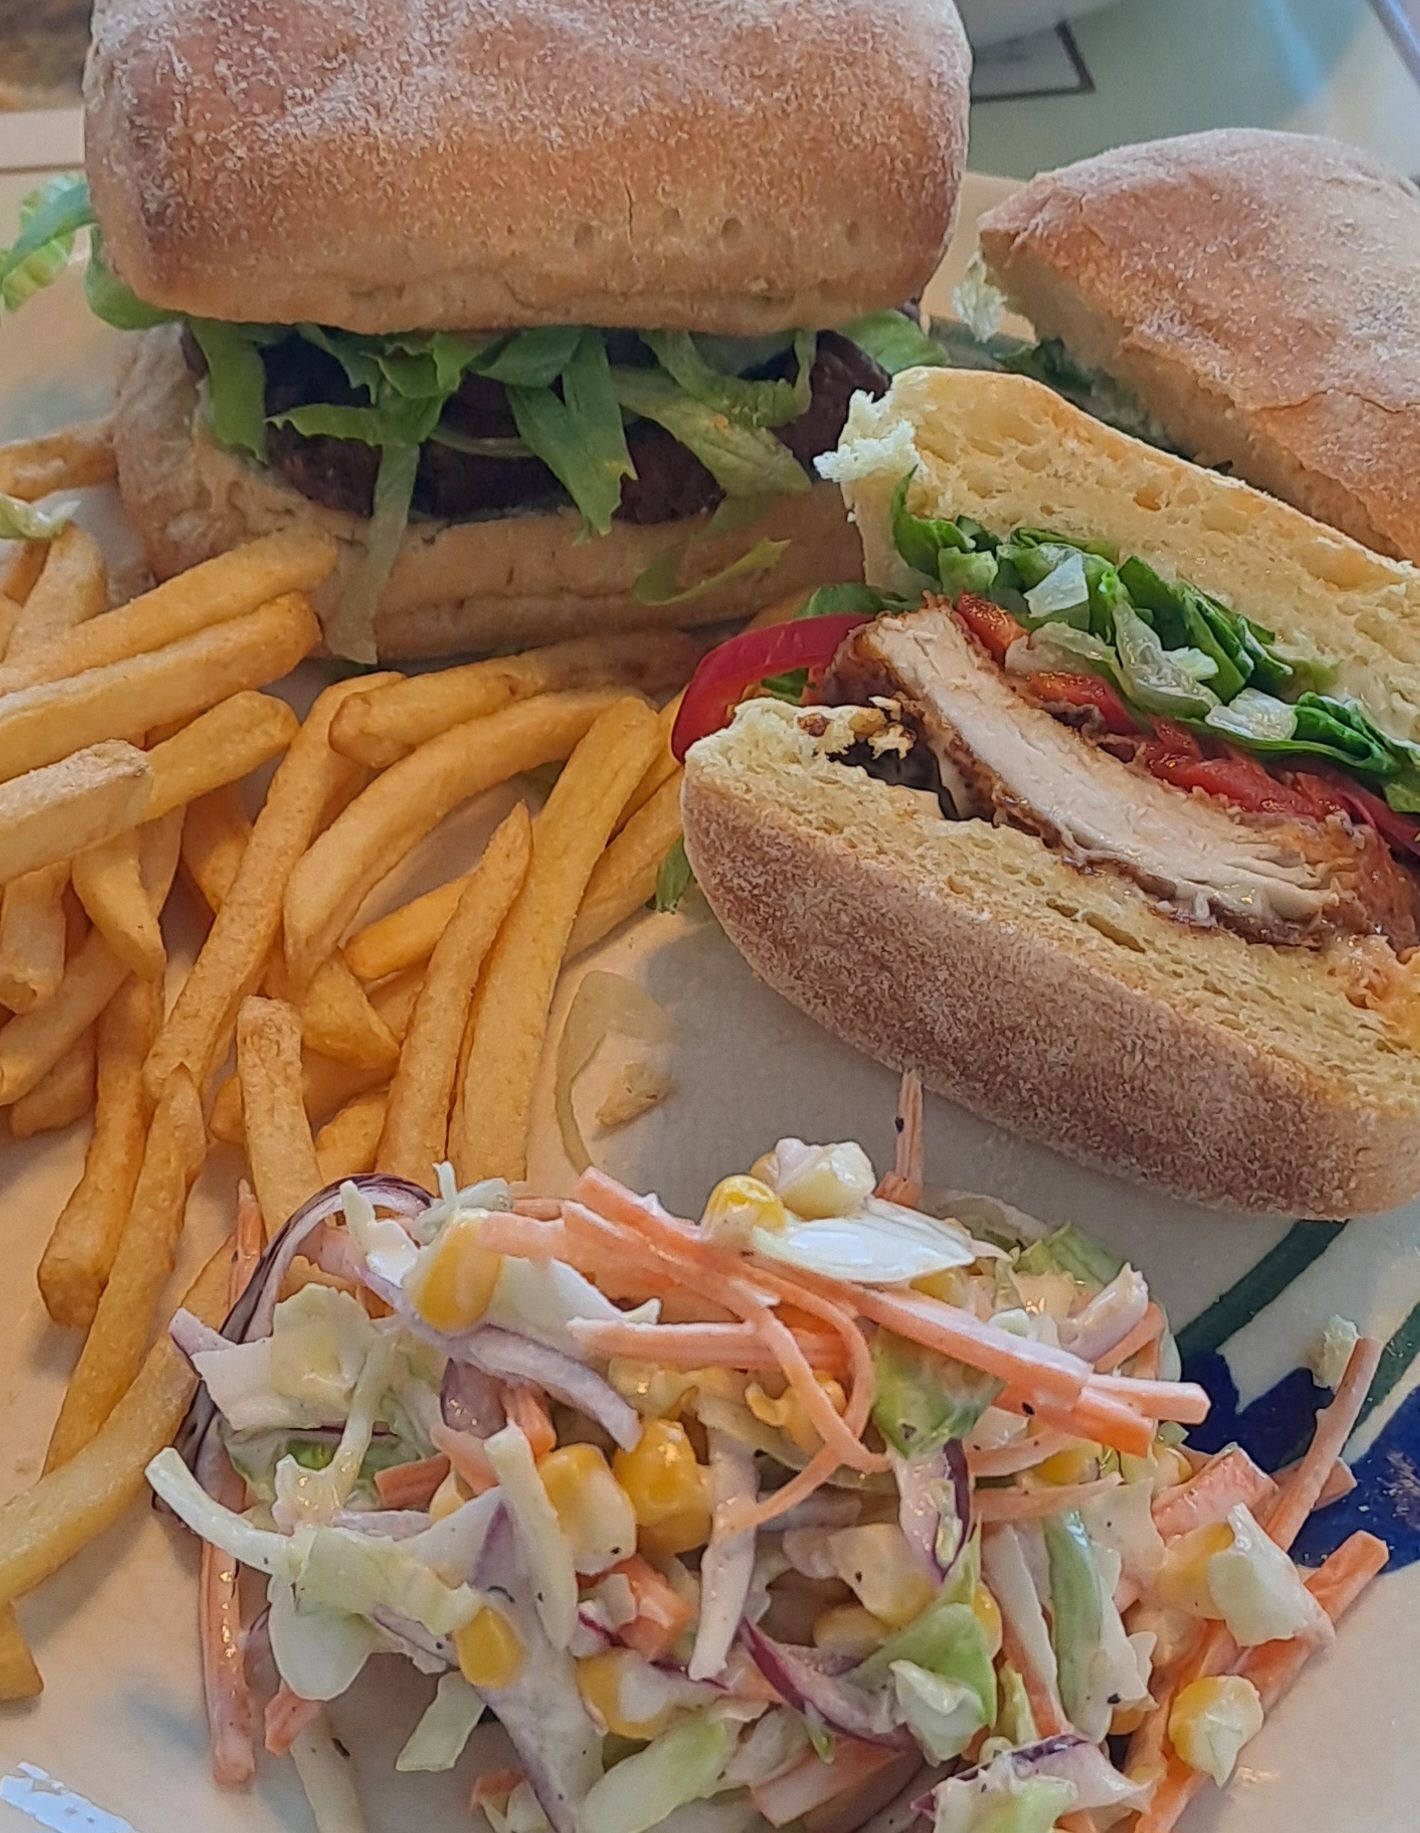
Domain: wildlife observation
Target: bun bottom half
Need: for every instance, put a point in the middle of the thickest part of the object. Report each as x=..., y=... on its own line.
x=456, y=588
x=1057, y=1002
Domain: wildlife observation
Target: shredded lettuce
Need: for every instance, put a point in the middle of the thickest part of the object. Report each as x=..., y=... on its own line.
x=1076, y=1607
x=660, y=583
x=23, y=522
x=1070, y=1250
x=743, y=459
x=437, y=1741
x=545, y=1547
x=1008, y=1805
x=50, y=219
x=943, y=1714
x=236, y=385
x=683, y=1764
x=579, y=437
x=318, y=1653
x=922, y=1399
x=759, y=404
x=674, y=879
x=895, y=342
x=1258, y=1591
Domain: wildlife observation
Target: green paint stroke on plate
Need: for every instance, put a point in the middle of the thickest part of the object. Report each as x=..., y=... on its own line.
x=1303, y=1243
x=1396, y=1358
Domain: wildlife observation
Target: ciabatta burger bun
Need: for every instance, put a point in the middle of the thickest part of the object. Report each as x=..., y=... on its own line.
x=456, y=587
x=1258, y=292
x=1043, y=989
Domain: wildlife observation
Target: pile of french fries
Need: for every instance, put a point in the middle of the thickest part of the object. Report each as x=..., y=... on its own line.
x=128, y=742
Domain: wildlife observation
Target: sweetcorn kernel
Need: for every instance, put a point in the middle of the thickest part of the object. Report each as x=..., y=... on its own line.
x=1211, y=1720
x=451, y=1283
x=490, y=1650
x=667, y=1487
x=848, y=1629
x=602, y=1682
x=788, y=1413
x=593, y=1510
x=1182, y=1581
x=740, y=1205
x=988, y=1614
x=1074, y=1464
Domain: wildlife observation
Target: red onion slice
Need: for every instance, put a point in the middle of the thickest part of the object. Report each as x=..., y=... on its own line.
x=802, y=1683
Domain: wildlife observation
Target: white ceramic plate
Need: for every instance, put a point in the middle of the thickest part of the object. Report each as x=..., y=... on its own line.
x=120, y=1722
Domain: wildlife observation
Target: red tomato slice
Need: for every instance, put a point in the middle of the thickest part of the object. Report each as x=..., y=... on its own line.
x=722, y=678
x=1236, y=778
x=992, y=627
x=1399, y=831
x=1085, y=691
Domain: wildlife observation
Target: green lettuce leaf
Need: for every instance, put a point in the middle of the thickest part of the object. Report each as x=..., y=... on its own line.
x=660, y=583
x=895, y=342
x=743, y=460
x=946, y=1639
x=580, y=437
x=23, y=522
x=113, y=302
x=50, y=218
x=535, y=359
x=673, y=880
x=920, y=539
x=922, y=1399
x=758, y=404
x=352, y=629
x=1069, y=1250
x=236, y=383
x=837, y=601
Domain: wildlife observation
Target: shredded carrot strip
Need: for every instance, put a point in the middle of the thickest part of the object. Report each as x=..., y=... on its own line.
x=543, y=1209
x=287, y=1716
x=527, y=1410
x=1229, y=1479
x=1272, y=1668
x=411, y=1485
x=466, y=1456
x=1183, y=1401
x=1094, y=1416
x=1052, y=1374
x=903, y=1184
x=1031, y=1504
x=738, y=1515
x=1145, y=1332
x=703, y=1345
x=1302, y=1490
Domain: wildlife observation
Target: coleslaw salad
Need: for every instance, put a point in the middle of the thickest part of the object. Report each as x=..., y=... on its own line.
x=825, y=1507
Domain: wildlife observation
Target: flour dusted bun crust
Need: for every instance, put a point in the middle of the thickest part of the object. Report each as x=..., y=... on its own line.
x=1260, y=294
x=1062, y=1002
x=456, y=587
x=469, y=164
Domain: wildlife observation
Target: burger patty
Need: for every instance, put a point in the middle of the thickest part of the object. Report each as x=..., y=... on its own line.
x=670, y=482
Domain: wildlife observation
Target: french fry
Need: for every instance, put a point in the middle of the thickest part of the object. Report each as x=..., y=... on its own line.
x=33, y=1041
x=62, y=1095
x=220, y=746
x=325, y=1083
x=70, y=459
x=417, y=1117
x=23, y=565
x=72, y=588
x=625, y=875
x=346, y=1145
x=47, y=1524
x=405, y=803
x=32, y=937
x=118, y=1337
x=214, y=837
x=75, y=1264
x=384, y=725
x=229, y=966
x=662, y=767
x=335, y=1014
x=10, y=614
x=407, y=935
x=48, y=814
x=19, y=1676
x=231, y=586
x=108, y=882
x=39, y=725
x=280, y=1150
x=518, y=982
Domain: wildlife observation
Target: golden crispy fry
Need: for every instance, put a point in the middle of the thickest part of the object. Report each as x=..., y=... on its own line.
x=347, y=1143
x=76, y=1263
x=32, y=937
x=228, y=968
x=404, y=804
x=62, y=1095
x=384, y=725
x=10, y=614
x=280, y=1151
x=407, y=935
x=40, y=724
x=23, y=566
x=72, y=588
x=326, y=1084
x=33, y=1041
x=108, y=883
x=662, y=767
x=230, y=586
x=220, y=746
x=417, y=1119
x=518, y=982
x=625, y=875
x=19, y=1677
x=214, y=837
x=48, y=1523
x=48, y=814
x=113, y=1350
x=67, y=460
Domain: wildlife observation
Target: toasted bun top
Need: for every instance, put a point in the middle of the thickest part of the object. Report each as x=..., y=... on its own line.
x=1260, y=290
x=736, y=166
x=1011, y=452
